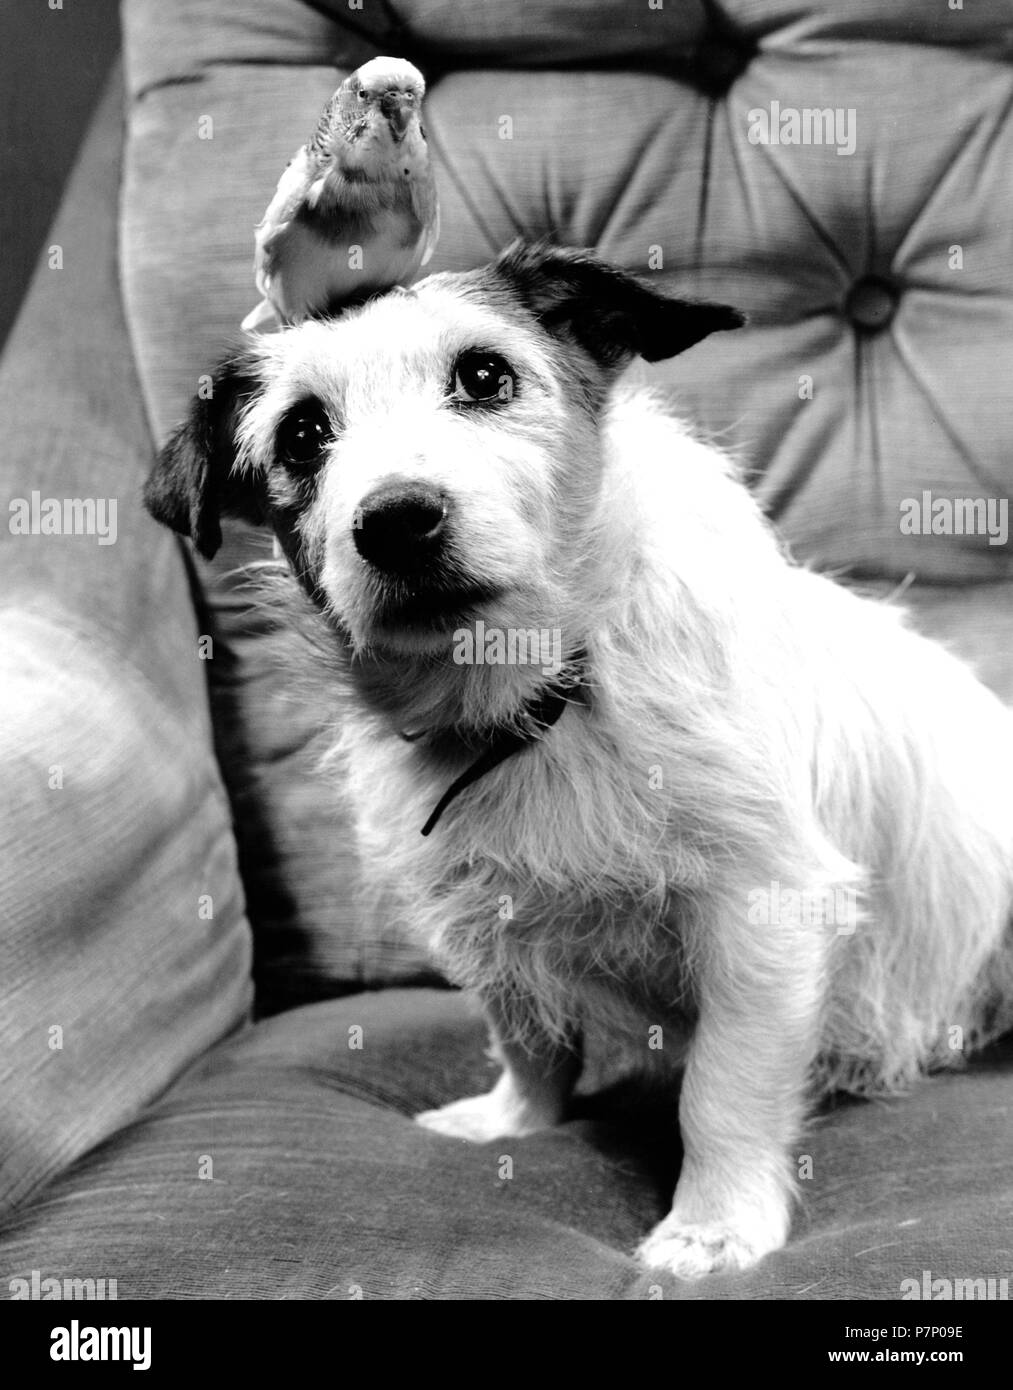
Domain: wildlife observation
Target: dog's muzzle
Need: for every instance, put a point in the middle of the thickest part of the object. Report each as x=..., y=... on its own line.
x=401, y=527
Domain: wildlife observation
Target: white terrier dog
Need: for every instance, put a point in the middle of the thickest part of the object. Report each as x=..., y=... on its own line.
x=657, y=837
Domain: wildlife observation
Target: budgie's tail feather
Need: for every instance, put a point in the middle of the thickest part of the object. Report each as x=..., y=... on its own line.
x=262, y=319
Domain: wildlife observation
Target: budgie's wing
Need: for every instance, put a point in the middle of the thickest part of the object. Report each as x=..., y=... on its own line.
x=293, y=187
x=426, y=208
x=318, y=147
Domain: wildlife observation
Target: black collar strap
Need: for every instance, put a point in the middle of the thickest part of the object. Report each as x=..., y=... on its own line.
x=540, y=715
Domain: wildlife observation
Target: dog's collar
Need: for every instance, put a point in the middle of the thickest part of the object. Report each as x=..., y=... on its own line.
x=539, y=715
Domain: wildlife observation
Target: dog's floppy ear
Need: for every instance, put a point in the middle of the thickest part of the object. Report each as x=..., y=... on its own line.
x=609, y=313
x=192, y=484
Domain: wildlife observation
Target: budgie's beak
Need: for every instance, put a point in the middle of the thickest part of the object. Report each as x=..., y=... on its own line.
x=397, y=107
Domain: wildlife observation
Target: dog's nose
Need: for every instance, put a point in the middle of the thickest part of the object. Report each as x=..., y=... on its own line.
x=400, y=527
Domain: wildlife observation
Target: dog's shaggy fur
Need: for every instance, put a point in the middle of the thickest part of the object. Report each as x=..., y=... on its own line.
x=734, y=723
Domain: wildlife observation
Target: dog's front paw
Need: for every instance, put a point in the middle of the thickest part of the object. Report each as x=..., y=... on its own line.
x=482, y=1118
x=691, y=1249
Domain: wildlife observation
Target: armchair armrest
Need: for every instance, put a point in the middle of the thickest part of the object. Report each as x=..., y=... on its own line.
x=124, y=951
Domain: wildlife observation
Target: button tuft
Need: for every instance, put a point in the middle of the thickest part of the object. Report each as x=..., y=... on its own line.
x=871, y=303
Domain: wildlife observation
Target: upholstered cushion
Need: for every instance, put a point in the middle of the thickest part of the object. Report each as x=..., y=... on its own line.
x=638, y=164
x=286, y=1165
x=124, y=952
x=880, y=346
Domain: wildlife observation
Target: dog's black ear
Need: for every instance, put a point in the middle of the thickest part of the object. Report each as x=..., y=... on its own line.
x=612, y=315
x=192, y=484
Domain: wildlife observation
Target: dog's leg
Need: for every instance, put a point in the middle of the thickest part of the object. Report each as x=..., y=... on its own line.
x=531, y=1093
x=743, y=1103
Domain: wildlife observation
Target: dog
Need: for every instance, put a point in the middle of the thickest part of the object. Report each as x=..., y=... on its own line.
x=747, y=821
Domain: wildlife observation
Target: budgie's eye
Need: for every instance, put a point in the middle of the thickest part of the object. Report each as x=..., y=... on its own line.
x=304, y=433
x=481, y=376
x=363, y=94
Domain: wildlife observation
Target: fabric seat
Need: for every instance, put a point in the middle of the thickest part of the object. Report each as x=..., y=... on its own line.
x=321, y=1187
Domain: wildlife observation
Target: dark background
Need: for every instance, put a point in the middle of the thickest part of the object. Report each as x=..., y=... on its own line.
x=53, y=64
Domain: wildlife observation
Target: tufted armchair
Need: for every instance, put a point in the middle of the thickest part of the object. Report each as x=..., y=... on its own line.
x=208, y=1056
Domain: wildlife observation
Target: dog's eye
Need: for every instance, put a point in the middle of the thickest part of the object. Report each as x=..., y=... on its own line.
x=483, y=376
x=303, y=434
